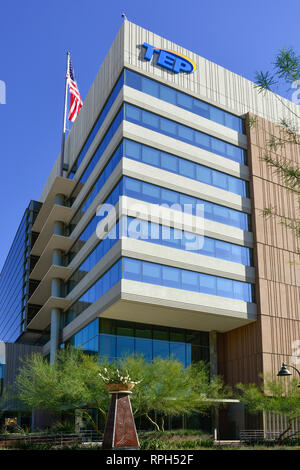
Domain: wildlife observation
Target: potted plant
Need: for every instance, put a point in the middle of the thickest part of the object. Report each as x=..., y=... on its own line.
x=116, y=381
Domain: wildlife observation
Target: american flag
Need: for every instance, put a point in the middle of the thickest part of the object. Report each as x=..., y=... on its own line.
x=75, y=98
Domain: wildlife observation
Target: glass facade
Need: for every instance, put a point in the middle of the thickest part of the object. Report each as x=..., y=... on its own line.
x=186, y=168
x=182, y=100
x=162, y=235
x=151, y=193
x=97, y=125
x=183, y=133
x=165, y=93
x=165, y=161
x=113, y=339
x=159, y=195
x=14, y=279
x=163, y=275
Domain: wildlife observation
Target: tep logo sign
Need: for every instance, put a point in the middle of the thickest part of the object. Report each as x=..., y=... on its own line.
x=170, y=60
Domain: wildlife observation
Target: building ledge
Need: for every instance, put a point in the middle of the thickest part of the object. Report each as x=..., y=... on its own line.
x=60, y=186
x=43, y=290
x=56, y=242
x=43, y=318
x=58, y=214
x=159, y=305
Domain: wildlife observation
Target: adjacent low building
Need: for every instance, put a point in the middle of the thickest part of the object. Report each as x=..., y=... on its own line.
x=152, y=241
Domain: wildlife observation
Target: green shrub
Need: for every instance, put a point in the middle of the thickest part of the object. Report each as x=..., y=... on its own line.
x=185, y=444
x=154, y=444
x=25, y=445
x=164, y=444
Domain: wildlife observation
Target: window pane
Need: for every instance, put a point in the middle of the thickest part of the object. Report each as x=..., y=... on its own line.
x=218, y=146
x=150, y=120
x=150, y=87
x=161, y=349
x=125, y=346
x=132, y=186
x=224, y=287
x=207, y=284
x=186, y=133
x=107, y=345
x=169, y=197
x=204, y=174
x=150, y=156
x=171, y=277
x=150, y=193
x=167, y=94
x=190, y=280
x=144, y=346
x=132, y=149
x=217, y=115
x=132, y=113
x=202, y=140
x=151, y=273
x=132, y=269
x=177, y=351
x=223, y=250
x=219, y=180
x=185, y=101
x=169, y=162
x=169, y=127
x=187, y=168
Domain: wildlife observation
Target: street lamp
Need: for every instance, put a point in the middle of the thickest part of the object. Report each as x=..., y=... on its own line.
x=284, y=372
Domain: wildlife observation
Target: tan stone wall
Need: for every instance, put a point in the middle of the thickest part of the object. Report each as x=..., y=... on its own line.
x=261, y=347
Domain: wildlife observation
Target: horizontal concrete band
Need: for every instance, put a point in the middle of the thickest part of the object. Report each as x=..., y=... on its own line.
x=197, y=225
x=131, y=301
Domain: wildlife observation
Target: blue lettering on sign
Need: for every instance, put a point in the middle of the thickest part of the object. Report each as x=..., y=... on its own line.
x=170, y=60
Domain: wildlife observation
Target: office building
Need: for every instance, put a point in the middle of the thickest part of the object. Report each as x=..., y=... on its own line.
x=153, y=241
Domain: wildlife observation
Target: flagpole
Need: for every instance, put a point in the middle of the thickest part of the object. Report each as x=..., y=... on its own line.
x=62, y=152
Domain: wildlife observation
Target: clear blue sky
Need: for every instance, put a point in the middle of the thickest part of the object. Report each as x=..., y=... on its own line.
x=35, y=35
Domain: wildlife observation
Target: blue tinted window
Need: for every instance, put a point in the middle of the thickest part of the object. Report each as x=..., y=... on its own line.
x=108, y=345
x=170, y=277
x=186, y=168
x=97, y=290
x=133, y=113
x=161, y=195
x=161, y=349
x=189, y=280
x=133, y=150
x=167, y=94
x=113, y=339
x=150, y=156
x=168, y=127
x=177, y=351
x=97, y=125
x=144, y=346
x=125, y=345
x=208, y=284
x=184, y=133
x=132, y=269
x=150, y=87
x=183, y=100
x=151, y=273
x=169, y=162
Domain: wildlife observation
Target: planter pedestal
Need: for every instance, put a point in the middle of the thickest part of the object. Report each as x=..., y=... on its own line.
x=120, y=431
